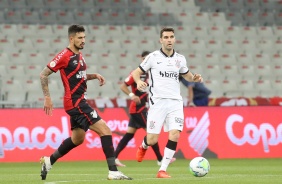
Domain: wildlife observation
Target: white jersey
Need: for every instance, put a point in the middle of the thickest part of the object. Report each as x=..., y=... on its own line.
x=164, y=74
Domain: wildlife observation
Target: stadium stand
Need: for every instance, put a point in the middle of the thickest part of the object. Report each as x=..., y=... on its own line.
x=235, y=44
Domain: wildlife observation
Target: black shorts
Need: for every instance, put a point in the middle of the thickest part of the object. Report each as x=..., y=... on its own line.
x=83, y=116
x=138, y=120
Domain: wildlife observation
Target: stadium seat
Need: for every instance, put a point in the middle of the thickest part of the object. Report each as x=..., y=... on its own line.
x=245, y=59
x=227, y=59
x=246, y=70
x=229, y=70
x=147, y=44
x=200, y=32
x=107, y=59
x=277, y=70
x=214, y=45
x=33, y=70
x=206, y=5
x=47, y=17
x=5, y=59
x=265, y=32
x=24, y=44
x=236, y=18
x=114, y=31
x=249, y=32
x=219, y=5
x=252, y=5
x=26, y=30
x=150, y=18
x=261, y=59
x=53, y=4
x=211, y=59
x=251, y=18
x=82, y=16
x=18, y=4
x=149, y=32
x=265, y=45
x=233, y=32
x=194, y=59
x=219, y=19
x=129, y=44
x=231, y=45
x=186, y=18
x=44, y=31
x=276, y=59
x=133, y=18
x=216, y=32
x=35, y=4
x=117, y=18
x=131, y=32
x=64, y=17
x=198, y=46
x=155, y=5
x=19, y=58
x=30, y=17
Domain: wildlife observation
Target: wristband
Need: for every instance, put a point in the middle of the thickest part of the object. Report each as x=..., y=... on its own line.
x=131, y=95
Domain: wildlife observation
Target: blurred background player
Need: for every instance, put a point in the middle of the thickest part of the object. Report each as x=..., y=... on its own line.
x=138, y=114
x=198, y=93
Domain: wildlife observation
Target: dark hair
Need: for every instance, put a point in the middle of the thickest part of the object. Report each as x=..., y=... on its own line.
x=166, y=29
x=145, y=53
x=73, y=29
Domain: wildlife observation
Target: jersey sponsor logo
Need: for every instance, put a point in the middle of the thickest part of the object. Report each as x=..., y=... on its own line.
x=75, y=62
x=81, y=74
x=169, y=74
x=59, y=56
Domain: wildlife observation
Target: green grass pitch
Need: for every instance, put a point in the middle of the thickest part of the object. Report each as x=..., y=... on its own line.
x=223, y=171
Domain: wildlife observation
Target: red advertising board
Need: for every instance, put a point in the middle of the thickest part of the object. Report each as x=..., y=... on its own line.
x=220, y=132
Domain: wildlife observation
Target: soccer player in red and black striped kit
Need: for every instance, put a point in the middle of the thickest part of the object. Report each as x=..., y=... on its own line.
x=72, y=69
x=138, y=114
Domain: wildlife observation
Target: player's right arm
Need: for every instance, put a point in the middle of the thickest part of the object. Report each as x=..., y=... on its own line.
x=48, y=105
x=141, y=85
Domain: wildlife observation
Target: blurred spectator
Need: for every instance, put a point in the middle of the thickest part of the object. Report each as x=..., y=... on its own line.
x=198, y=93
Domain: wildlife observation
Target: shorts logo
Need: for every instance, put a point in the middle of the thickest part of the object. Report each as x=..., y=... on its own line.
x=94, y=114
x=152, y=125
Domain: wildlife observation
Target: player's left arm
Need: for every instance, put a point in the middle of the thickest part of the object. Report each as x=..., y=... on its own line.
x=92, y=76
x=189, y=76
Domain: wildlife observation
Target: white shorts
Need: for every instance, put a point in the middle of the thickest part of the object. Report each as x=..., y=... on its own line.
x=167, y=113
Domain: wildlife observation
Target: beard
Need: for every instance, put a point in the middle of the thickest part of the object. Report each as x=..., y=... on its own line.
x=78, y=48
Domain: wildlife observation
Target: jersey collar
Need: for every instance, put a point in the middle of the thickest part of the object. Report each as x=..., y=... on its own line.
x=161, y=50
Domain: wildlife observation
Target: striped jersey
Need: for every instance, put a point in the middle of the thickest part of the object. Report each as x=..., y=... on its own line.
x=73, y=74
x=164, y=74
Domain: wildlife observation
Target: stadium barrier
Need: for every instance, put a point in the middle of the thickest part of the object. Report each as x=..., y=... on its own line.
x=213, y=132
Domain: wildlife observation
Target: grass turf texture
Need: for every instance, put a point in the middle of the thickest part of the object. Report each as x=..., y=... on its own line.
x=223, y=171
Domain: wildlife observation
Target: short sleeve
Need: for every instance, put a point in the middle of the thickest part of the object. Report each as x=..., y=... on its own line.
x=129, y=80
x=147, y=63
x=184, y=68
x=59, y=61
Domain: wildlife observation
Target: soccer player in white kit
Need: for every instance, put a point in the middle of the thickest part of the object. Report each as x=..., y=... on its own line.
x=165, y=102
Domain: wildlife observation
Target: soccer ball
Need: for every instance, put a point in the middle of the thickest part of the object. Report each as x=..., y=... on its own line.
x=199, y=166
